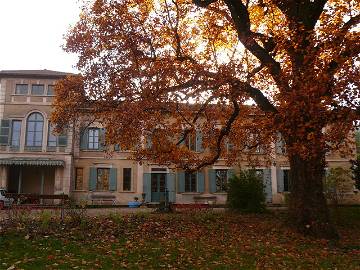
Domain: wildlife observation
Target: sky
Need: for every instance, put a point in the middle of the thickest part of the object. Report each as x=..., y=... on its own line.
x=31, y=34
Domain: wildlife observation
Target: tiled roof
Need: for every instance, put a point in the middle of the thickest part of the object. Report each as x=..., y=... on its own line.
x=43, y=73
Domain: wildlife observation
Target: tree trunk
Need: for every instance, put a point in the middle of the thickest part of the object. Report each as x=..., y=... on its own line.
x=307, y=206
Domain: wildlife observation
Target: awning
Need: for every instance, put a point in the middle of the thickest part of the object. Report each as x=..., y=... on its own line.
x=32, y=162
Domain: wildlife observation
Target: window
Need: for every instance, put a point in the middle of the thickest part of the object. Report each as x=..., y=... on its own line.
x=221, y=180
x=37, y=89
x=190, y=141
x=50, y=90
x=93, y=141
x=126, y=179
x=79, y=176
x=287, y=180
x=21, y=89
x=34, y=132
x=4, y=131
x=103, y=177
x=16, y=132
x=52, y=139
x=190, y=182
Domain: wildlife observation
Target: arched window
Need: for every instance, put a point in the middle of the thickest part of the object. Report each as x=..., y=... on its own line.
x=34, y=130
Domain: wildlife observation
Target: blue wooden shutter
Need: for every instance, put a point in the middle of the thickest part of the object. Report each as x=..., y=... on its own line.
x=212, y=180
x=200, y=182
x=84, y=136
x=170, y=184
x=181, y=182
x=280, y=180
x=267, y=184
x=113, y=179
x=4, y=132
x=92, y=179
x=147, y=186
x=199, y=147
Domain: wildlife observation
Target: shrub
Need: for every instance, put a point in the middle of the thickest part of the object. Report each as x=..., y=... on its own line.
x=246, y=192
x=337, y=182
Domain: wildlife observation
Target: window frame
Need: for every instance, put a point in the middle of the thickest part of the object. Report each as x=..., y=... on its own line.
x=37, y=85
x=93, y=142
x=190, y=182
x=288, y=180
x=12, y=133
x=21, y=84
x=28, y=121
x=50, y=128
x=102, y=187
x=47, y=90
x=130, y=179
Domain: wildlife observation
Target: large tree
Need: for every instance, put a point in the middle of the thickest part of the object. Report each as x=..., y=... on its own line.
x=239, y=71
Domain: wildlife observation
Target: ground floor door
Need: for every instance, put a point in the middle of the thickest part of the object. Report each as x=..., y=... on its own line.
x=158, y=185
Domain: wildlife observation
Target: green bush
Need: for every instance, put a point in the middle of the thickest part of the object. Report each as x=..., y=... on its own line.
x=246, y=192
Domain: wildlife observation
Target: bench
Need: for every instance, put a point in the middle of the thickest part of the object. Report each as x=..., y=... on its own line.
x=36, y=198
x=189, y=206
x=205, y=199
x=102, y=198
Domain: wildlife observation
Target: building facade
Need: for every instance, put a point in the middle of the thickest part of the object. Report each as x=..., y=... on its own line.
x=34, y=160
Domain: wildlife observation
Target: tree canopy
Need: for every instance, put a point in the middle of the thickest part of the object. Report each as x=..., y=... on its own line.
x=241, y=71
x=295, y=62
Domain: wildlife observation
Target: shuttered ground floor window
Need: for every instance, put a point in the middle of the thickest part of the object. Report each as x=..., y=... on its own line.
x=103, y=177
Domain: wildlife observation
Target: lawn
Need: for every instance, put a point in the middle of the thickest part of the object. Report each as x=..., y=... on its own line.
x=205, y=240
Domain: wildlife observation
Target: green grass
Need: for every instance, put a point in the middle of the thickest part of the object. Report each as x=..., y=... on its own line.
x=177, y=241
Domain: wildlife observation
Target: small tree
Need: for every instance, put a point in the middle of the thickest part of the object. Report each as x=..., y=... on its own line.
x=337, y=183
x=246, y=192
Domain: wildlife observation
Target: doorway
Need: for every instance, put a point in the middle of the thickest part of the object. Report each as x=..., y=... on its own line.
x=158, y=185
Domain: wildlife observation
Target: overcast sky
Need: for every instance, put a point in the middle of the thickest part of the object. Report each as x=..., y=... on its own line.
x=31, y=34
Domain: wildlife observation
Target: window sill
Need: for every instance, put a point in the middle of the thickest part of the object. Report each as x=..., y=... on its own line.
x=190, y=193
x=219, y=193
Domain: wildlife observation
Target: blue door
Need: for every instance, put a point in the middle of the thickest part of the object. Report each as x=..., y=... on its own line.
x=158, y=185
